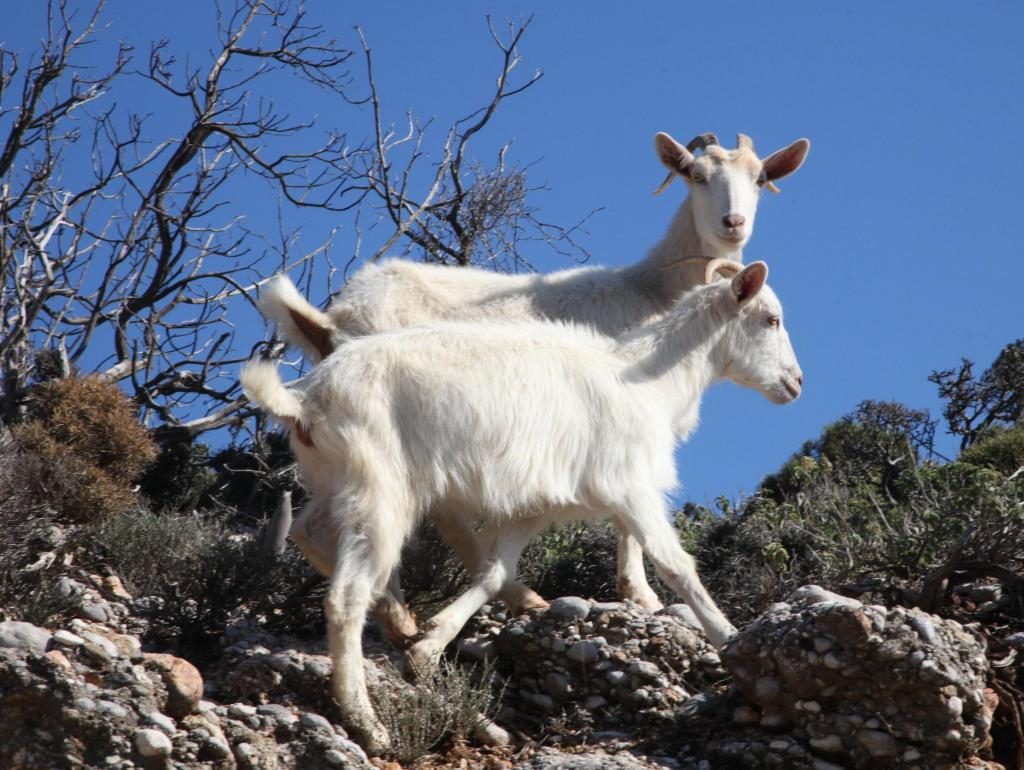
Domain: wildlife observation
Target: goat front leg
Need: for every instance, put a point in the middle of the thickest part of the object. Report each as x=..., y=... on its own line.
x=467, y=545
x=496, y=567
x=632, y=578
x=646, y=519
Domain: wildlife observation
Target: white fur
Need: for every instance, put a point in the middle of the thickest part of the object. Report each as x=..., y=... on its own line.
x=396, y=294
x=509, y=426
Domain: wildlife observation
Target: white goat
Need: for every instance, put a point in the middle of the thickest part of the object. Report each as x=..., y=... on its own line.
x=715, y=220
x=510, y=426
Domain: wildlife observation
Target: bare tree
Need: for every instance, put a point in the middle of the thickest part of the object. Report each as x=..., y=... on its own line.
x=123, y=247
x=470, y=213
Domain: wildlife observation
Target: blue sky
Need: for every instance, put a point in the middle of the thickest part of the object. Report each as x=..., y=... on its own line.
x=894, y=248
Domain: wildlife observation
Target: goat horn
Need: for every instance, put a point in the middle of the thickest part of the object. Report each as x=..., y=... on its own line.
x=701, y=142
x=727, y=268
x=772, y=188
x=666, y=183
x=742, y=140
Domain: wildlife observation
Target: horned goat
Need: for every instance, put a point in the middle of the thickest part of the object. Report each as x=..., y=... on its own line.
x=715, y=220
x=424, y=422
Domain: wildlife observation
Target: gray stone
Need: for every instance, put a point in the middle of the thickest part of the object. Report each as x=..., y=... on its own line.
x=570, y=608
x=94, y=611
x=584, y=651
x=644, y=669
x=162, y=721
x=153, y=743
x=557, y=685
x=24, y=636
x=67, y=639
x=878, y=743
x=311, y=721
x=812, y=594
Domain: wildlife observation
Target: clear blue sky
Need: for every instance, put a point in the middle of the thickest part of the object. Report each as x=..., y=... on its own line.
x=894, y=249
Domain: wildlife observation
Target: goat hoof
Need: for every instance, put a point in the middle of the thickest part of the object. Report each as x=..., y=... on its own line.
x=421, y=658
x=646, y=599
x=518, y=598
x=369, y=733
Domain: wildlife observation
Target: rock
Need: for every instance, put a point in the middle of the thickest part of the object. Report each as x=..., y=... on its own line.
x=67, y=639
x=311, y=721
x=584, y=651
x=890, y=680
x=24, y=636
x=812, y=594
x=153, y=743
x=570, y=608
x=549, y=759
x=183, y=681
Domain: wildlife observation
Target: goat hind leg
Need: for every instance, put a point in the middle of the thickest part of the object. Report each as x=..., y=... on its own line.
x=470, y=548
x=363, y=565
x=312, y=532
x=632, y=579
x=495, y=568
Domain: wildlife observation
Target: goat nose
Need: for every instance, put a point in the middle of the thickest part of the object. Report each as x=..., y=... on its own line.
x=734, y=220
x=800, y=380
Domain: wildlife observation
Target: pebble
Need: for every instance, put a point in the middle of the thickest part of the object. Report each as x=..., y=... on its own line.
x=278, y=713
x=162, y=721
x=153, y=743
x=312, y=721
x=67, y=638
x=878, y=743
x=583, y=651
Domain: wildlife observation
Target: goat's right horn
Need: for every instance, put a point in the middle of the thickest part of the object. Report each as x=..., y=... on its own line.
x=701, y=142
x=742, y=140
x=666, y=183
x=727, y=268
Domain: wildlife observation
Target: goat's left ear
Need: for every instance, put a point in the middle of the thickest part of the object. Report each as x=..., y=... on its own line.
x=748, y=282
x=785, y=161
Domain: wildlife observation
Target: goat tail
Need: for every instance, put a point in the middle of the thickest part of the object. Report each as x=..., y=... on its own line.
x=298, y=321
x=262, y=384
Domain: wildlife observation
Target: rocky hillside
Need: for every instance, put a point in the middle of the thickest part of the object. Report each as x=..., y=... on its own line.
x=820, y=681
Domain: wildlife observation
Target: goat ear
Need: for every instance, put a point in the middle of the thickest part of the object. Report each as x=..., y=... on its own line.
x=748, y=282
x=785, y=161
x=675, y=157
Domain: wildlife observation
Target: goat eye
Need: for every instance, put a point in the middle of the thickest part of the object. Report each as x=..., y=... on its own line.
x=762, y=179
x=698, y=178
x=773, y=321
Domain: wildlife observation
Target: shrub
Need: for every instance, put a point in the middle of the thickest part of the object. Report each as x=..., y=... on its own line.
x=196, y=575
x=83, y=447
x=885, y=531
x=1002, y=450
x=180, y=475
x=447, y=703
x=30, y=545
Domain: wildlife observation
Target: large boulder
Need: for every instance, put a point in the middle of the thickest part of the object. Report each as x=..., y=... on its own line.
x=858, y=686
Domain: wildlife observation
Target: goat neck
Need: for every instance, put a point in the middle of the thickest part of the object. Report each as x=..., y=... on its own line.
x=679, y=353
x=661, y=275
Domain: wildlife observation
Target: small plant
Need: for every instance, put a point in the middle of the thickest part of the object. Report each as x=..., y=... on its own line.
x=446, y=703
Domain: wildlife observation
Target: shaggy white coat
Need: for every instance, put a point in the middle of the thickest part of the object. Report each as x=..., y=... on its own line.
x=511, y=427
x=724, y=189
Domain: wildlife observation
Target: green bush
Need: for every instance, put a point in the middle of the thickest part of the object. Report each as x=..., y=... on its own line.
x=844, y=520
x=197, y=575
